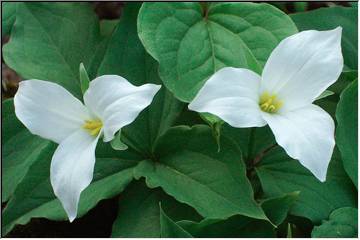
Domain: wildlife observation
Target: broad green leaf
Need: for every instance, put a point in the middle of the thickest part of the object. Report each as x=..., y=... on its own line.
x=188, y=167
x=342, y=223
x=235, y=227
x=84, y=78
x=20, y=149
x=347, y=130
x=169, y=228
x=127, y=57
x=139, y=213
x=330, y=18
x=277, y=208
x=192, y=42
x=34, y=196
x=50, y=40
x=8, y=16
x=280, y=174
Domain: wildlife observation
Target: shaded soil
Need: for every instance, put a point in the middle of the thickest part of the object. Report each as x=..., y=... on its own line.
x=96, y=223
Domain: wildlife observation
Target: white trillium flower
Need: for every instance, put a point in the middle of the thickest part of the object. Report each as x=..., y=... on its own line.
x=299, y=69
x=50, y=111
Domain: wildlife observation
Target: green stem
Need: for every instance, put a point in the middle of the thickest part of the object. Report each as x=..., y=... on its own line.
x=205, y=7
x=261, y=155
x=251, y=144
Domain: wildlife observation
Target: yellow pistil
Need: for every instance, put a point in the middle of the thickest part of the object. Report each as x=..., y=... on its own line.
x=269, y=103
x=93, y=126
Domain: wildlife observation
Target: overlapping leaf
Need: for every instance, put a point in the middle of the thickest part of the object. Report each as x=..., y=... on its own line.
x=191, y=40
x=8, y=16
x=169, y=228
x=235, y=227
x=139, y=213
x=280, y=174
x=125, y=56
x=34, y=195
x=347, y=129
x=189, y=167
x=49, y=41
x=342, y=223
x=330, y=18
x=275, y=208
x=20, y=149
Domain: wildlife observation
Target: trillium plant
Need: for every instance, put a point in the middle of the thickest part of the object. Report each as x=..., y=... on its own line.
x=299, y=69
x=50, y=111
x=229, y=119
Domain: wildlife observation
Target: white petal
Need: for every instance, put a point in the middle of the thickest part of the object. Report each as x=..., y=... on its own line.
x=48, y=110
x=233, y=95
x=302, y=66
x=306, y=134
x=117, y=102
x=72, y=168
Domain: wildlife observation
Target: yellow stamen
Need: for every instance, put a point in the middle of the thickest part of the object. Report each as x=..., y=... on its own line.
x=269, y=103
x=93, y=126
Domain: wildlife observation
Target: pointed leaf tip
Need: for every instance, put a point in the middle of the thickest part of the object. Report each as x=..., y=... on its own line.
x=84, y=78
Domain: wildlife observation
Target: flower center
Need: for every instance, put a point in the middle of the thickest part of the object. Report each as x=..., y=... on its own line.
x=93, y=126
x=269, y=103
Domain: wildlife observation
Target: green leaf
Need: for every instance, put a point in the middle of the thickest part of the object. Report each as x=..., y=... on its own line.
x=354, y=4
x=50, y=40
x=84, y=78
x=215, y=124
x=280, y=174
x=277, y=208
x=127, y=57
x=240, y=226
x=189, y=168
x=107, y=26
x=325, y=94
x=8, y=16
x=169, y=228
x=329, y=104
x=252, y=141
x=347, y=130
x=117, y=144
x=20, y=149
x=289, y=231
x=342, y=223
x=211, y=119
x=139, y=213
x=192, y=42
x=345, y=79
x=34, y=196
x=330, y=18
x=235, y=227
